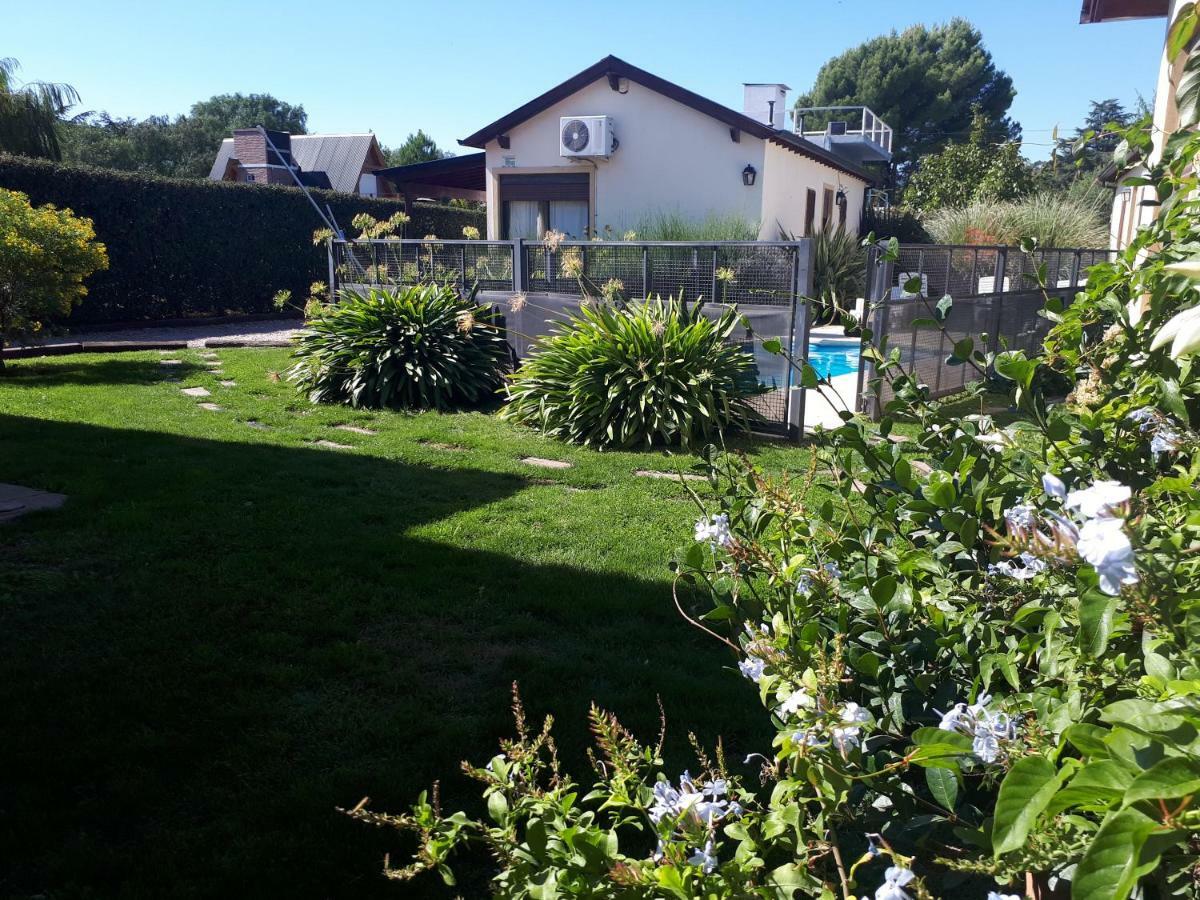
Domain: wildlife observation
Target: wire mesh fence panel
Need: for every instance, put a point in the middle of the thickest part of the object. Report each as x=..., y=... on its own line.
x=996, y=301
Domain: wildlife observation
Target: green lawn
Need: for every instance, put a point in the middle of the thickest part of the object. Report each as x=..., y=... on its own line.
x=228, y=631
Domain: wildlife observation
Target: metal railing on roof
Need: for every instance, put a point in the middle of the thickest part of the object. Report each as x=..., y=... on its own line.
x=862, y=122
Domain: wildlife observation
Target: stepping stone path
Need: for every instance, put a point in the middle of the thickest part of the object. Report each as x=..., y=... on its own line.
x=259, y=426
x=650, y=473
x=170, y=362
x=334, y=445
x=438, y=445
x=356, y=429
x=545, y=463
x=195, y=392
x=211, y=407
x=16, y=500
x=921, y=468
x=228, y=384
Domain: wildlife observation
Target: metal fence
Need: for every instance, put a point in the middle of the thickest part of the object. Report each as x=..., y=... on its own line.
x=766, y=280
x=995, y=292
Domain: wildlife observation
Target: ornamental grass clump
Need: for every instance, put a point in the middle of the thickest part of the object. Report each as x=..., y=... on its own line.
x=653, y=372
x=419, y=347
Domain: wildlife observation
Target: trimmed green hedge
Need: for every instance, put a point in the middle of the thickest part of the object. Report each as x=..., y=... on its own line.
x=181, y=248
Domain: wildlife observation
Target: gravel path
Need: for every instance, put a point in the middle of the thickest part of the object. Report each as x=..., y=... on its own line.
x=265, y=332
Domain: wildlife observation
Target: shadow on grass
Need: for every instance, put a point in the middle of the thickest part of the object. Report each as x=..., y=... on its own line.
x=116, y=369
x=214, y=644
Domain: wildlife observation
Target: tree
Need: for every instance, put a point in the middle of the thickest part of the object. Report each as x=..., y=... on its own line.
x=29, y=113
x=927, y=83
x=184, y=147
x=45, y=255
x=417, y=148
x=961, y=174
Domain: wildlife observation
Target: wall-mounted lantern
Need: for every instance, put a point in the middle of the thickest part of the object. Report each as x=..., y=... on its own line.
x=748, y=175
x=840, y=199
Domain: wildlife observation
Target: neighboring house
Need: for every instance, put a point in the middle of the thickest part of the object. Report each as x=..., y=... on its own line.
x=339, y=162
x=1135, y=205
x=614, y=145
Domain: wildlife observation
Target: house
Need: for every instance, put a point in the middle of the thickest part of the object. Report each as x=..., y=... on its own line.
x=1134, y=205
x=339, y=162
x=614, y=144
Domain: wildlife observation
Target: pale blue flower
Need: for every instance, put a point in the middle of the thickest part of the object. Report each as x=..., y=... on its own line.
x=705, y=858
x=1054, y=487
x=894, y=880
x=1101, y=499
x=752, y=667
x=1105, y=546
x=715, y=530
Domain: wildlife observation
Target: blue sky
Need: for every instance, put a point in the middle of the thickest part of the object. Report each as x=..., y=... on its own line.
x=451, y=67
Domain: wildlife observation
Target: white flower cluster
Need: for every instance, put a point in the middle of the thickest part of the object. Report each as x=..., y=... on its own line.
x=894, y=880
x=845, y=734
x=715, y=530
x=693, y=806
x=985, y=727
x=1097, y=534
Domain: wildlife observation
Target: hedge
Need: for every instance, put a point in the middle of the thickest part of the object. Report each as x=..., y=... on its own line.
x=180, y=248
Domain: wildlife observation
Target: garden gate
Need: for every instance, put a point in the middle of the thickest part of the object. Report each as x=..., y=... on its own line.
x=528, y=283
x=994, y=291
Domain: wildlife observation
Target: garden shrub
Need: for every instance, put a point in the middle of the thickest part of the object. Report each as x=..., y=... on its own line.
x=416, y=347
x=979, y=649
x=665, y=225
x=897, y=222
x=193, y=247
x=650, y=372
x=45, y=255
x=839, y=267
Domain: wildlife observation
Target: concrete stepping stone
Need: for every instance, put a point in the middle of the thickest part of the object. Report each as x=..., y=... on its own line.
x=170, y=362
x=173, y=380
x=674, y=476
x=356, y=429
x=228, y=384
x=16, y=500
x=259, y=426
x=921, y=468
x=545, y=463
x=211, y=407
x=333, y=445
x=439, y=445
x=195, y=392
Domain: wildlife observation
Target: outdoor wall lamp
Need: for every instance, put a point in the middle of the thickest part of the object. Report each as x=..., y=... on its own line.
x=748, y=175
x=840, y=199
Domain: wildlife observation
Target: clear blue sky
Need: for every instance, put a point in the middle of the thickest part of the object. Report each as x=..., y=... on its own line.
x=452, y=66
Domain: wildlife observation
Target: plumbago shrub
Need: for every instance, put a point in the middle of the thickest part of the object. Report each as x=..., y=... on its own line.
x=979, y=648
x=423, y=346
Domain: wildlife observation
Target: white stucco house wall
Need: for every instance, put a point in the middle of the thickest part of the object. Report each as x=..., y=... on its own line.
x=674, y=152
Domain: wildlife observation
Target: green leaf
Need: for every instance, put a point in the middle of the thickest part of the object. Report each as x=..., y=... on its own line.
x=1095, y=621
x=497, y=805
x=809, y=377
x=943, y=307
x=1024, y=793
x=773, y=345
x=1109, y=867
x=1165, y=780
x=943, y=784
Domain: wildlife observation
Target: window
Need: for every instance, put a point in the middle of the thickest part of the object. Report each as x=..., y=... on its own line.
x=810, y=211
x=827, y=208
x=531, y=205
x=249, y=176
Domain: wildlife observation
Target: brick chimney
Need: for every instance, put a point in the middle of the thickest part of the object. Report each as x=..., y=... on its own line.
x=259, y=163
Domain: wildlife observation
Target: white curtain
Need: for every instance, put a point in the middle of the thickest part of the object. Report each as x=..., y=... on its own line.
x=523, y=221
x=570, y=217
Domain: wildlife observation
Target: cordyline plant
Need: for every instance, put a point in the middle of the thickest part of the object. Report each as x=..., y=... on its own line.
x=981, y=653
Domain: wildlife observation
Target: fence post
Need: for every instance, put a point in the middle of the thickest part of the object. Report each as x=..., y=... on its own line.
x=333, y=286
x=462, y=269
x=518, y=266
x=798, y=338
x=879, y=281
x=713, y=296
x=1076, y=265
x=645, y=272
x=997, y=301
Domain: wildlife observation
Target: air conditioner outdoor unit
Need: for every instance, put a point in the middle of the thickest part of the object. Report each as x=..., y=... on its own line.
x=585, y=136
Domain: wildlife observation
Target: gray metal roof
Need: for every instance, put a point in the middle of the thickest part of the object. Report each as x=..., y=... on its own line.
x=340, y=156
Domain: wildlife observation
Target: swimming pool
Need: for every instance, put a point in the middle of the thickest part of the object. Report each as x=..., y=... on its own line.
x=829, y=358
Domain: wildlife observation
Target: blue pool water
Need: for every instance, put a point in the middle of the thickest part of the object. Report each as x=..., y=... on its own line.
x=829, y=358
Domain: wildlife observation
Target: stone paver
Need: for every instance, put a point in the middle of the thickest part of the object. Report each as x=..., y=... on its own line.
x=16, y=500
x=440, y=445
x=333, y=445
x=196, y=392
x=259, y=426
x=228, y=384
x=170, y=362
x=545, y=463
x=674, y=476
x=356, y=429
x=211, y=407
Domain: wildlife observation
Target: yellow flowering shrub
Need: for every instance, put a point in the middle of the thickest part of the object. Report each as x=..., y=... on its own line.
x=46, y=253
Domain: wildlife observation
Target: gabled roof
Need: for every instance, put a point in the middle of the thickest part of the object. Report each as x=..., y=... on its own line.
x=340, y=156
x=613, y=67
x=1114, y=10
x=466, y=172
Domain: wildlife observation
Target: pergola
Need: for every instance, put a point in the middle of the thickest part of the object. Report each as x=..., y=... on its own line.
x=1115, y=10
x=456, y=177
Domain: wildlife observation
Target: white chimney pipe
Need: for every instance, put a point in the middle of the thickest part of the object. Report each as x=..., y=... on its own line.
x=766, y=103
